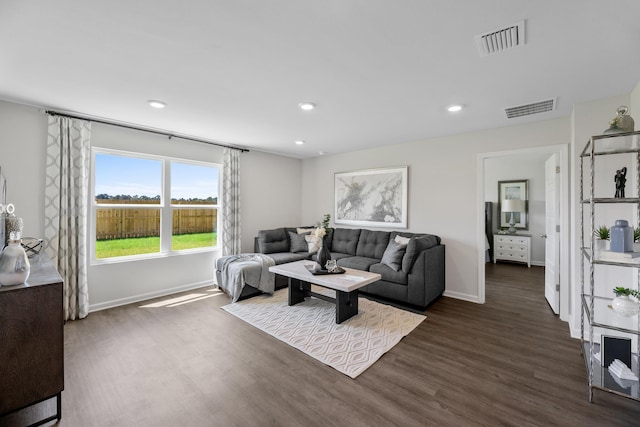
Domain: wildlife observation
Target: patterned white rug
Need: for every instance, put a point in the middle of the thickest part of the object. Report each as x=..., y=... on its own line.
x=350, y=347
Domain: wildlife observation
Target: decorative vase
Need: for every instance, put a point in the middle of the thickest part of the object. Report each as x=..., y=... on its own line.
x=14, y=264
x=323, y=254
x=621, y=237
x=624, y=305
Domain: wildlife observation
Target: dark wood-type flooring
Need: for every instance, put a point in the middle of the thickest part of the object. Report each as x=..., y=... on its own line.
x=507, y=362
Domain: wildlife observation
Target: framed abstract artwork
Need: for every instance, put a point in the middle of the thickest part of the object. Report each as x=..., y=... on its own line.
x=372, y=197
x=518, y=190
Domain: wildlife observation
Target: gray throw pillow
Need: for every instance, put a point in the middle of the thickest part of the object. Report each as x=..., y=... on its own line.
x=298, y=243
x=392, y=256
x=416, y=245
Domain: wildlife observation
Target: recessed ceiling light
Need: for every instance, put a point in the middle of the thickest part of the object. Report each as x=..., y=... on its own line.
x=454, y=108
x=299, y=142
x=307, y=106
x=157, y=104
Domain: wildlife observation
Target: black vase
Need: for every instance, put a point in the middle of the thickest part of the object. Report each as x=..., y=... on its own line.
x=323, y=254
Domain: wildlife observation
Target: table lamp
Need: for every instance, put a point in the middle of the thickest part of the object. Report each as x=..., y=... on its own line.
x=511, y=206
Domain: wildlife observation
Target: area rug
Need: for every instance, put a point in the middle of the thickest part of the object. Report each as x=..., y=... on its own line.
x=350, y=347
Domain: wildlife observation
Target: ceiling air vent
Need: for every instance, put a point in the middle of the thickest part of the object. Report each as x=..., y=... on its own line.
x=528, y=109
x=502, y=39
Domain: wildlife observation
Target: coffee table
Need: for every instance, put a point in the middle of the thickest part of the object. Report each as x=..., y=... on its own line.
x=346, y=286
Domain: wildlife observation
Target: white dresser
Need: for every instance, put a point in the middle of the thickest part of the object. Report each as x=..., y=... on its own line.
x=512, y=247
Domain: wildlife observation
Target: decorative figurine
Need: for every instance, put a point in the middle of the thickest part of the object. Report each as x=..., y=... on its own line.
x=622, y=122
x=620, y=179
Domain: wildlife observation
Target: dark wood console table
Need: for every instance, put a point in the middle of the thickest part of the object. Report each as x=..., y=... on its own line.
x=31, y=340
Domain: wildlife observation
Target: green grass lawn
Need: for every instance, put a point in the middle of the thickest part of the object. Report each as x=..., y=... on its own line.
x=148, y=245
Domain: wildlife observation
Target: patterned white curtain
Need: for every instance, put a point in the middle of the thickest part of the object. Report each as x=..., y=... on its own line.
x=231, y=238
x=66, y=194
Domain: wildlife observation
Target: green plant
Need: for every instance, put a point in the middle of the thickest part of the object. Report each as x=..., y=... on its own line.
x=620, y=291
x=602, y=232
x=325, y=221
x=636, y=234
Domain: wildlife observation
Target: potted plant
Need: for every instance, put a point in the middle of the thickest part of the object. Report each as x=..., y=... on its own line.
x=602, y=235
x=636, y=239
x=625, y=301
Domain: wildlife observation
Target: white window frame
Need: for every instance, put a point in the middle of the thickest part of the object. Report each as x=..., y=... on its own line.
x=165, y=206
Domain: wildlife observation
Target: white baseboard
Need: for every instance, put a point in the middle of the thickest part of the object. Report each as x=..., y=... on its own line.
x=573, y=332
x=462, y=296
x=143, y=297
x=538, y=263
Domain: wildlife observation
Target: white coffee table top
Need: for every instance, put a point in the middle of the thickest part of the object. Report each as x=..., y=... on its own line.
x=348, y=281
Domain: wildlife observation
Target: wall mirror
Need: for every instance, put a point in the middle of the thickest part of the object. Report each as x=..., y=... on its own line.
x=514, y=190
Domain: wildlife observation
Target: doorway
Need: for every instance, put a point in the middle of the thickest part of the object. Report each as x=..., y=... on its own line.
x=535, y=157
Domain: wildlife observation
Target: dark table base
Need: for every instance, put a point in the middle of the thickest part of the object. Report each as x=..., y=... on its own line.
x=346, y=302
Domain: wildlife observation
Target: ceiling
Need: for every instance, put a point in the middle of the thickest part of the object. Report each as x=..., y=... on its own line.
x=381, y=72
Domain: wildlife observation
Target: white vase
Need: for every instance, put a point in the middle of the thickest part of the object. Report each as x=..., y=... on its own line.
x=599, y=246
x=624, y=305
x=14, y=264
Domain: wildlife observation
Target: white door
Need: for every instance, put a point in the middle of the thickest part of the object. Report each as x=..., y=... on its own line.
x=552, y=242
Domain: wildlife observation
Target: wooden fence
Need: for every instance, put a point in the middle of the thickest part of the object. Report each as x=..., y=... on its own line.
x=122, y=223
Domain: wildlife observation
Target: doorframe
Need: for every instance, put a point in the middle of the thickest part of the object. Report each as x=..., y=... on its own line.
x=564, y=220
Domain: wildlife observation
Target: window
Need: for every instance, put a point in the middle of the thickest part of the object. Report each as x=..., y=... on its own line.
x=193, y=206
x=144, y=205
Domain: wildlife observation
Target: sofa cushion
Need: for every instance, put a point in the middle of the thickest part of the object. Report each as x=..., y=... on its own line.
x=305, y=230
x=314, y=243
x=372, y=244
x=298, y=242
x=284, y=257
x=416, y=245
x=401, y=239
x=357, y=262
x=390, y=275
x=393, y=255
x=271, y=241
x=345, y=240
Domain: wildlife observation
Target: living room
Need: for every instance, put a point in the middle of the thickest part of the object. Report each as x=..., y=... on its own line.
x=445, y=182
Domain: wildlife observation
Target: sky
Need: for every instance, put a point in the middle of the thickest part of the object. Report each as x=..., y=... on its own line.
x=143, y=177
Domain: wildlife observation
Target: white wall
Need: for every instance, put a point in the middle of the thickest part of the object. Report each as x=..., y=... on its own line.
x=23, y=137
x=443, y=193
x=271, y=191
x=521, y=167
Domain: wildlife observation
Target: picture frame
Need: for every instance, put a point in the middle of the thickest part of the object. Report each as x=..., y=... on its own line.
x=514, y=189
x=371, y=197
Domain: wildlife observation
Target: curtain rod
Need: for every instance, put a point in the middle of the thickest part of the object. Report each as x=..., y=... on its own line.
x=142, y=129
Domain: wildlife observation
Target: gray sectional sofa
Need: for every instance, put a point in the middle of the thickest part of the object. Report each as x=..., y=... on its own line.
x=416, y=276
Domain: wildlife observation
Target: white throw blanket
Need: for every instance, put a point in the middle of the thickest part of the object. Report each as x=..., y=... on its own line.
x=246, y=269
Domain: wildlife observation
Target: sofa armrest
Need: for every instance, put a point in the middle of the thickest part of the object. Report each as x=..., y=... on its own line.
x=427, y=277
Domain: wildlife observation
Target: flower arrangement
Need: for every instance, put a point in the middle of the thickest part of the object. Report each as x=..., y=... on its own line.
x=321, y=229
x=614, y=122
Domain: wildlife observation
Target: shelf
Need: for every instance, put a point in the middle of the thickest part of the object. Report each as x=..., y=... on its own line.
x=604, y=316
x=635, y=262
x=619, y=143
x=603, y=380
x=600, y=200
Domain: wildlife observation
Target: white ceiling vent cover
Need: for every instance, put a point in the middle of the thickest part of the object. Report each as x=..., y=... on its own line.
x=502, y=39
x=528, y=109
